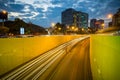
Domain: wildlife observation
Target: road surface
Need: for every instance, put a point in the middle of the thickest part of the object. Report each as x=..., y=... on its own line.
x=69, y=61
x=74, y=66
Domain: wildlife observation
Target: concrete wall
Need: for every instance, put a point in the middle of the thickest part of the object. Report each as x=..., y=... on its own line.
x=16, y=51
x=105, y=57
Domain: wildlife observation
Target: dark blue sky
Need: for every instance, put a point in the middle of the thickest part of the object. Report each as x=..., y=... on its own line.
x=44, y=12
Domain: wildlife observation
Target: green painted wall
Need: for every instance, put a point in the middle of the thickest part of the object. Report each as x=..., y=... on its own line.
x=16, y=51
x=105, y=57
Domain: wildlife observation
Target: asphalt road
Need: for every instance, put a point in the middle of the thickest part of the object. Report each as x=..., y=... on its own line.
x=75, y=65
x=69, y=61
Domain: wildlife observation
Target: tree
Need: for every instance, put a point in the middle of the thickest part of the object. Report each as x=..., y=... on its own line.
x=59, y=28
x=3, y=29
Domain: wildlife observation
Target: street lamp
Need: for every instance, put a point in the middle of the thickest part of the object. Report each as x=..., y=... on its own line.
x=4, y=12
x=59, y=28
x=82, y=29
x=76, y=29
x=68, y=27
x=109, y=16
x=53, y=27
x=3, y=16
x=103, y=25
x=73, y=28
x=52, y=24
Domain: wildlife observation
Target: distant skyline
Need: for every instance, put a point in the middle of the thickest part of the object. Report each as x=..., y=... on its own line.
x=44, y=12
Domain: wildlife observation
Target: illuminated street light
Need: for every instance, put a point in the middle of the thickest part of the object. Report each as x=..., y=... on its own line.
x=3, y=16
x=59, y=28
x=73, y=28
x=52, y=24
x=103, y=25
x=76, y=29
x=4, y=12
x=53, y=27
x=68, y=27
x=89, y=29
x=109, y=16
x=82, y=29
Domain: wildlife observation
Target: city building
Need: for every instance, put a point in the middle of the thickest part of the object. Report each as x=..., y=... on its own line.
x=75, y=18
x=116, y=19
x=100, y=24
x=96, y=24
x=93, y=23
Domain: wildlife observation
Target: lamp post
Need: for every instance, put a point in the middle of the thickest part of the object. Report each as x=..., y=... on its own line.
x=103, y=25
x=53, y=27
x=3, y=16
x=109, y=17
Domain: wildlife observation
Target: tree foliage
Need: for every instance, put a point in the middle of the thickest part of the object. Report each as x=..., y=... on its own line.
x=3, y=29
x=14, y=27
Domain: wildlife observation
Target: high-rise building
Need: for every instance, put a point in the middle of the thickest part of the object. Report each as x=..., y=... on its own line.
x=100, y=24
x=67, y=16
x=72, y=17
x=96, y=24
x=93, y=23
x=116, y=19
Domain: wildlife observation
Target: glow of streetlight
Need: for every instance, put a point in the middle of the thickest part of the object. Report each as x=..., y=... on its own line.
x=52, y=24
x=72, y=27
x=76, y=29
x=68, y=27
x=59, y=28
x=4, y=12
x=109, y=16
x=103, y=25
x=82, y=29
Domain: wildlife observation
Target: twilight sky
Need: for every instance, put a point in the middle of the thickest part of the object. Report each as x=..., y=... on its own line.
x=44, y=12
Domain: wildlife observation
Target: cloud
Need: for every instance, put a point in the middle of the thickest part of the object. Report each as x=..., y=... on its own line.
x=47, y=5
x=44, y=4
x=24, y=15
x=42, y=12
x=38, y=8
x=26, y=8
x=91, y=9
x=81, y=3
x=41, y=9
x=44, y=16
